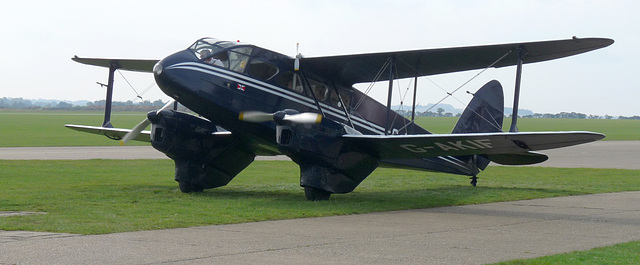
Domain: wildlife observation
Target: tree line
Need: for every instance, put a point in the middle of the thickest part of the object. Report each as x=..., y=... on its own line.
x=146, y=105
x=20, y=103
x=562, y=115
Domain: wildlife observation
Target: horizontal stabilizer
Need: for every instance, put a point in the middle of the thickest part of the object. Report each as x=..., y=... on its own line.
x=528, y=158
x=111, y=133
x=462, y=144
x=138, y=65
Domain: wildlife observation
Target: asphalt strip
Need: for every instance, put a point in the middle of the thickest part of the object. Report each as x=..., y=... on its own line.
x=471, y=234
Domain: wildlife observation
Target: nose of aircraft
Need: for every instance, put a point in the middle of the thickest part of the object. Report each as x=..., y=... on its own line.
x=157, y=69
x=173, y=79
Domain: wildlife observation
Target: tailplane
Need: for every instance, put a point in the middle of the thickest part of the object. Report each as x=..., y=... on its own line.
x=485, y=114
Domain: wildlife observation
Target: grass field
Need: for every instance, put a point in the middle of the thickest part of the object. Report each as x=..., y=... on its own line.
x=625, y=253
x=46, y=128
x=615, y=130
x=106, y=196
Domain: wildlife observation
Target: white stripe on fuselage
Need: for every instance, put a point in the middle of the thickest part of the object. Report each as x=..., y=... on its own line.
x=290, y=95
x=277, y=91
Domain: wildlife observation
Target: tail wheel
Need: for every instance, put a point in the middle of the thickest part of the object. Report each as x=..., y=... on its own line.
x=315, y=194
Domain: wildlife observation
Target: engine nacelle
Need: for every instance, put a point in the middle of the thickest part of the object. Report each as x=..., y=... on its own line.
x=204, y=156
x=325, y=161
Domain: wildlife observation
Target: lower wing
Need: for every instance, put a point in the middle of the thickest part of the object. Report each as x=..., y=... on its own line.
x=490, y=144
x=112, y=133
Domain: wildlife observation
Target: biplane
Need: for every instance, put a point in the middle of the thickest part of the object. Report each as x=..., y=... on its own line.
x=251, y=101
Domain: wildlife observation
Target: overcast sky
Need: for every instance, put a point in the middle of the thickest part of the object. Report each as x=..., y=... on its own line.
x=40, y=37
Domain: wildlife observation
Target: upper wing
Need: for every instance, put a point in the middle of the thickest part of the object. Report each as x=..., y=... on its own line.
x=112, y=133
x=434, y=145
x=351, y=69
x=138, y=65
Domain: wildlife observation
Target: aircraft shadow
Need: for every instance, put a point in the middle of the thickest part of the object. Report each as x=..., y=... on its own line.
x=414, y=198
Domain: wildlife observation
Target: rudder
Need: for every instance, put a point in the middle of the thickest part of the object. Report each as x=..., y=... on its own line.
x=484, y=114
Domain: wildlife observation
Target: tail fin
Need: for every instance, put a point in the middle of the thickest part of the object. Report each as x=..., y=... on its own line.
x=484, y=114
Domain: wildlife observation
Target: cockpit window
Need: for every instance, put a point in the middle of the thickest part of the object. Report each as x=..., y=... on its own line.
x=238, y=58
x=222, y=53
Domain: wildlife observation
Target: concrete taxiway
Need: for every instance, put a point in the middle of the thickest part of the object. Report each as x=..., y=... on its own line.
x=601, y=154
x=472, y=234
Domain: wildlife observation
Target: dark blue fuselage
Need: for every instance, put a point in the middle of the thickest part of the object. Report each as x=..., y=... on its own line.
x=221, y=92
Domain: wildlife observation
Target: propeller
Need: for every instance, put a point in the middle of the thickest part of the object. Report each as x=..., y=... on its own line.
x=296, y=63
x=143, y=124
x=280, y=117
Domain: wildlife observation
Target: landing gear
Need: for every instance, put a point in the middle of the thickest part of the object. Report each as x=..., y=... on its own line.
x=315, y=194
x=474, y=181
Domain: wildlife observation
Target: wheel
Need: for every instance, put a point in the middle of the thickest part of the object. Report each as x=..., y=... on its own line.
x=187, y=187
x=474, y=181
x=315, y=194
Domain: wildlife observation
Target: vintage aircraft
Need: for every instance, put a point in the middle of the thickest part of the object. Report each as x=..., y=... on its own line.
x=253, y=101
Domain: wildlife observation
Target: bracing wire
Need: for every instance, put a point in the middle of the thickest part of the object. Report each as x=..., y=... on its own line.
x=384, y=66
x=467, y=82
x=132, y=88
x=449, y=94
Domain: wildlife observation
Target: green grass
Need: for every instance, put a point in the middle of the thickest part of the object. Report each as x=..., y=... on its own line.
x=46, y=128
x=106, y=196
x=625, y=253
x=618, y=130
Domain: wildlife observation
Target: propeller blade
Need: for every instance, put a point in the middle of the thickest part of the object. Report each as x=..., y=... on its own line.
x=143, y=124
x=166, y=106
x=307, y=117
x=296, y=63
x=278, y=117
x=255, y=116
x=135, y=131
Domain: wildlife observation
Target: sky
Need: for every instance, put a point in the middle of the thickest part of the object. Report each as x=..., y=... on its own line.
x=39, y=38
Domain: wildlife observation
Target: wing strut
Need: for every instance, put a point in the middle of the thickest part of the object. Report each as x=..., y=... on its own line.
x=516, y=94
x=113, y=66
x=413, y=107
x=392, y=63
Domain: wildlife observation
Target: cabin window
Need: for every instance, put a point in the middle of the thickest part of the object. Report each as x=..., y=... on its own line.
x=334, y=99
x=261, y=70
x=286, y=80
x=320, y=90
